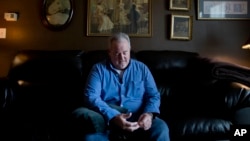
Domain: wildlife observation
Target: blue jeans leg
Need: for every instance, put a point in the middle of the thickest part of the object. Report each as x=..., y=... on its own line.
x=96, y=137
x=159, y=131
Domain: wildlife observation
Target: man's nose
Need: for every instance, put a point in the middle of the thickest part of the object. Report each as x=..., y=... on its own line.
x=121, y=56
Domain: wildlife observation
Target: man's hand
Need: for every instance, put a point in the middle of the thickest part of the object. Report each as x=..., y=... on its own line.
x=145, y=121
x=121, y=121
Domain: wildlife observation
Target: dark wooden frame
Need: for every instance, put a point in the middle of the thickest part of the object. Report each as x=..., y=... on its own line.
x=57, y=19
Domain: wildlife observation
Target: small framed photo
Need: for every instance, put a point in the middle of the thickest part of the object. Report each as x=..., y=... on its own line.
x=183, y=5
x=181, y=27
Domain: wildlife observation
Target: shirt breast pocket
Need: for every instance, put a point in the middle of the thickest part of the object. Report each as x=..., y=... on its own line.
x=135, y=89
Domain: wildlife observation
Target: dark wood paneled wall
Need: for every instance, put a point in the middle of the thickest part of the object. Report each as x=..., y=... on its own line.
x=215, y=39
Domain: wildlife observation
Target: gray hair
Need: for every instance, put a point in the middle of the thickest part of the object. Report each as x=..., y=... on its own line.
x=118, y=37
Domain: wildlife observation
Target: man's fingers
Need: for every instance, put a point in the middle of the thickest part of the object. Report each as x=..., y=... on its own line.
x=131, y=124
x=132, y=128
x=145, y=123
x=126, y=116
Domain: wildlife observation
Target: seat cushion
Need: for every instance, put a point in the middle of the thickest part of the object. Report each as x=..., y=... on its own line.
x=202, y=127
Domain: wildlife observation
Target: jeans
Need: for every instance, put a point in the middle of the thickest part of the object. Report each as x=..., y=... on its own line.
x=158, y=132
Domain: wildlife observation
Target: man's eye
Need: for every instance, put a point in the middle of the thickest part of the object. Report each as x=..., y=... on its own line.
x=116, y=54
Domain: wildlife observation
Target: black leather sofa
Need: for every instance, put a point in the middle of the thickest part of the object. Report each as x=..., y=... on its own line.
x=199, y=101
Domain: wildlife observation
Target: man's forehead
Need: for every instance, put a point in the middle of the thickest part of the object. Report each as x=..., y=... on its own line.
x=120, y=50
x=122, y=40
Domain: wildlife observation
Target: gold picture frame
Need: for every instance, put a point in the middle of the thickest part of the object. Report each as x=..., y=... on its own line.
x=183, y=5
x=108, y=16
x=181, y=27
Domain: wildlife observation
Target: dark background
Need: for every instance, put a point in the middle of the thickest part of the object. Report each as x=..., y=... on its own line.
x=218, y=39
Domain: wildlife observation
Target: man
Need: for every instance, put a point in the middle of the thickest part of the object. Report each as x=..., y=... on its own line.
x=126, y=83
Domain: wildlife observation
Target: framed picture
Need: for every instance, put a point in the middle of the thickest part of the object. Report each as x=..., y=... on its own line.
x=57, y=14
x=181, y=27
x=223, y=10
x=105, y=17
x=179, y=5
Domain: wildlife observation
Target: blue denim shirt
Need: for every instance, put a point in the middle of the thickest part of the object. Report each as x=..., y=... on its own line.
x=135, y=91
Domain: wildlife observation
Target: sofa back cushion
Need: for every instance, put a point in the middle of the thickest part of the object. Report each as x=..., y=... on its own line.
x=48, y=81
x=183, y=91
x=167, y=67
x=49, y=66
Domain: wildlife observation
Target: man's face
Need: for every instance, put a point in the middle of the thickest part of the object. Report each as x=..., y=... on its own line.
x=119, y=54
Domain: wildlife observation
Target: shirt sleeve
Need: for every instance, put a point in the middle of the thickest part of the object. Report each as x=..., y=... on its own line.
x=93, y=94
x=152, y=95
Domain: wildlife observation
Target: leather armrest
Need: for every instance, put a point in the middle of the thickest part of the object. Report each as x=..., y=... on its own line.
x=242, y=116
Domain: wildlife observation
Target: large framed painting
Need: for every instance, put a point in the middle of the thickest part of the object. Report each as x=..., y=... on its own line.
x=223, y=10
x=133, y=17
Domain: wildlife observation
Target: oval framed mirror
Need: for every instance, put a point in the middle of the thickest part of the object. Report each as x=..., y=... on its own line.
x=57, y=14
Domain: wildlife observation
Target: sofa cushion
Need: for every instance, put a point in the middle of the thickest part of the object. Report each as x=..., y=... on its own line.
x=201, y=128
x=48, y=77
x=41, y=66
x=168, y=67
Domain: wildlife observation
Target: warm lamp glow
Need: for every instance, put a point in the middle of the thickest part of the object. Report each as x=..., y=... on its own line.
x=246, y=45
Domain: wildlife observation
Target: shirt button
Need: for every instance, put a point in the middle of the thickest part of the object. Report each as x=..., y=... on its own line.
x=121, y=105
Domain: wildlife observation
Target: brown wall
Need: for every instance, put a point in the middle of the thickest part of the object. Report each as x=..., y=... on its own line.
x=216, y=39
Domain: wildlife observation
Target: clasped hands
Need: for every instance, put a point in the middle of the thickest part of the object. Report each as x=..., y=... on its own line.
x=144, y=122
